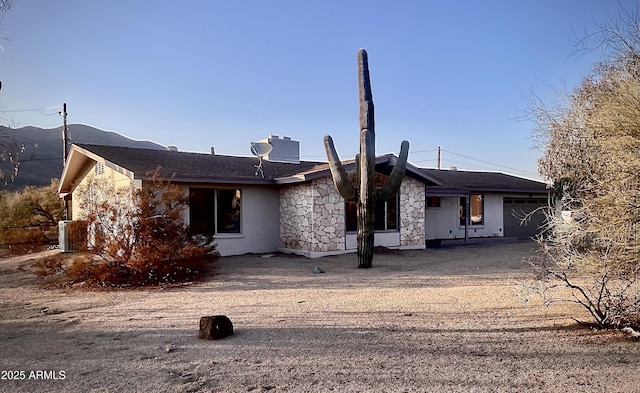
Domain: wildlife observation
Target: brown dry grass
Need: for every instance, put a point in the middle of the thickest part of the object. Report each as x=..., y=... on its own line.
x=438, y=320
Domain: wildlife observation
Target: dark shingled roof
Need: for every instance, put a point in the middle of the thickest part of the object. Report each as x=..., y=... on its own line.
x=463, y=182
x=196, y=167
x=214, y=168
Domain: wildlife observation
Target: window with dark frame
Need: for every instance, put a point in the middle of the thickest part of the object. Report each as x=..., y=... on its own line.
x=213, y=211
x=476, y=210
x=386, y=216
x=228, y=211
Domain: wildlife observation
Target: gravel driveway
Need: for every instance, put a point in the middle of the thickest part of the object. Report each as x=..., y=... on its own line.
x=435, y=320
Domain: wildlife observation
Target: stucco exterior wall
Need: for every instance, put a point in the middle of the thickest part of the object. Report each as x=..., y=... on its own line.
x=259, y=214
x=312, y=217
x=259, y=221
x=494, y=217
x=443, y=222
x=113, y=177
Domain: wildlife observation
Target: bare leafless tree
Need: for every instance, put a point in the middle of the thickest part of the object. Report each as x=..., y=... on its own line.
x=5, y=5
x=9, y=150
x=591, y=144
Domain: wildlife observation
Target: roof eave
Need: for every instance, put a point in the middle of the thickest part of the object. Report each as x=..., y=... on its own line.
x=78, y=163
x=464, y=191
x=208, y=180
x=349, y=165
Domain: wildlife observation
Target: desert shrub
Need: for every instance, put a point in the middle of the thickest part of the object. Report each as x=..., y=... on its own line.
x=137, y=237
x=22, y=235
x=49, y=266
x=90, y=271
x=10, y=149
x=31, y=206
x=591, y=143
x=29, y=217
x=23, y=240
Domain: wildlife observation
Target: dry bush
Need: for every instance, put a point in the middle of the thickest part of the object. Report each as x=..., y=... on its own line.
x=23, y=240
x=31, y=206
x=49, y=266
x=29, y=217
x=137, y=237
x=22, y=236
x=590, y=254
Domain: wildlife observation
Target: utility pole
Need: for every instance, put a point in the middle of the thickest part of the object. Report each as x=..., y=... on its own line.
x=438, y=160
x=65, y=135
x=65, y=151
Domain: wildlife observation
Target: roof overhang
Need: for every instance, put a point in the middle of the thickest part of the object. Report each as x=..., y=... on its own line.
x=212, y=180
x=441, y=191
x=387, y=161
x=79, y=163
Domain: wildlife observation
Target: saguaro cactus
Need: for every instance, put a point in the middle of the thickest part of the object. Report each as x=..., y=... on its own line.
x=364, y=192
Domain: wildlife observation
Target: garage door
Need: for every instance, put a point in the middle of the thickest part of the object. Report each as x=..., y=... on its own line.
x=515, y=209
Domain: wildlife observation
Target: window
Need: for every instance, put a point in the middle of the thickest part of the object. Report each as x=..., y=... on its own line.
x=228, y=211
x=433, y=201
x=213, y=211
x=386, y=215
x=350, y=216
x=476, y=207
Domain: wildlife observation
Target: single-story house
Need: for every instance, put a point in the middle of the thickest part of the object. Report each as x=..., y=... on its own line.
x=470, y=206
x=280, y=203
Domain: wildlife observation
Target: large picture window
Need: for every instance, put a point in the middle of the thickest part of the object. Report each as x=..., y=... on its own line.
x=476, y=209
x=386, y=215
x=213, y=211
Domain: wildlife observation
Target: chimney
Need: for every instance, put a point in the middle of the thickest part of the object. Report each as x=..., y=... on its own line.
x=213, y=150
x=172, y=148
x=453, y=168
x=285, y=149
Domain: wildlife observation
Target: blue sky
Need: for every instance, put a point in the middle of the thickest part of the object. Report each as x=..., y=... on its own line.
x=197, y=74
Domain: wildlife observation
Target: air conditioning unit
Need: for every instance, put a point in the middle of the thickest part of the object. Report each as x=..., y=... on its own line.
x=71, y=240
x=63, y=235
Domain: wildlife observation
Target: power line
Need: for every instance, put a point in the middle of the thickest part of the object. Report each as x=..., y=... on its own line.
x=411, y=152
x=55, y=108
x=486, y=162
x=21, y=160
x=434, y=160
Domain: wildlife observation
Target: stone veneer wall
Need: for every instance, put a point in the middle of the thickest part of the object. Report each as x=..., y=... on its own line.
x=312, y=217
x=295, y=211
x=412, y=213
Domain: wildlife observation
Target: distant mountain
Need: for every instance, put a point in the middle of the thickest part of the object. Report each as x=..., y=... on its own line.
x=41, y=159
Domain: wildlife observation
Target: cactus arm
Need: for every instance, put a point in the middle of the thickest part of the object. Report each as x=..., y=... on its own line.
x=339, y=175
x=392, y=185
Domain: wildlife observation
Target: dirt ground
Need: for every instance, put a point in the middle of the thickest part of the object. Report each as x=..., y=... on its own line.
x=435, y=320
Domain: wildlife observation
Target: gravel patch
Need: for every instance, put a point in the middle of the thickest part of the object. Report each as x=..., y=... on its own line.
x=435, y=320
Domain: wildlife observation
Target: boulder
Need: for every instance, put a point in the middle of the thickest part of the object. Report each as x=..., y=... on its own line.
x=215, y=327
